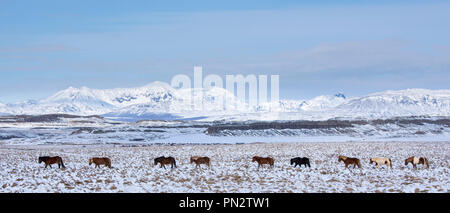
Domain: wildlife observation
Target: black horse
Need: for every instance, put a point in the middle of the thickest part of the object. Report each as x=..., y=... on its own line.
x=299, y=161
x=43, y=158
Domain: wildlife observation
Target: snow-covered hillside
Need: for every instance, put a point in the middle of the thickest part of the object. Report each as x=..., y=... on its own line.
x=408, y=102
x=3, y=109
x=159, y=100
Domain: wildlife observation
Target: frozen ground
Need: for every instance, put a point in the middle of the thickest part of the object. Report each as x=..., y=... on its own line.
x=93, y=131
x=231, y=171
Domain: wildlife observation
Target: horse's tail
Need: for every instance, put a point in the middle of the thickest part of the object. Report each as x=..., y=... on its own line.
x=174, y=163
x=390, y=163
x=62, y=164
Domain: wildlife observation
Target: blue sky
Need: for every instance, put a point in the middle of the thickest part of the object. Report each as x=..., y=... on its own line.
x=324, y=47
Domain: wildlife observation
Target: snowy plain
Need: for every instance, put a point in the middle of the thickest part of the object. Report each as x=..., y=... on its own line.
x=231, y=171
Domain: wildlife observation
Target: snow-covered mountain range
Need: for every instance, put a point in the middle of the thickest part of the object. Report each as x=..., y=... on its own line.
x=159, y=100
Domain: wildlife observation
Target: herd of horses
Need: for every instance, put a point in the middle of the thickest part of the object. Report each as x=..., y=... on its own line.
x=298, y=161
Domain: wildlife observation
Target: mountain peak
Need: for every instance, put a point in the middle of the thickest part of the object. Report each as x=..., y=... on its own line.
x=160, y=97
x=340, y=95
x=159, y=84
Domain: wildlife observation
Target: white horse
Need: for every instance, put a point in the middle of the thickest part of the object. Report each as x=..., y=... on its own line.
x=381, y=161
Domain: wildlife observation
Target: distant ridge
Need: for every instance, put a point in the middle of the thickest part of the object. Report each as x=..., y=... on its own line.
x=158, y=100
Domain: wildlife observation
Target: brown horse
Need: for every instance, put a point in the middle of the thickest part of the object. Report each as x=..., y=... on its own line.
x=200, y=160
x=350, y=161
x=51, y=160
x=164, y=161
x=100, y=161
x=261, y=161
x=417, y=160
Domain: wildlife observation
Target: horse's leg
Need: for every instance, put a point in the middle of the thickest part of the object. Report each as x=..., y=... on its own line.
x=45, y=166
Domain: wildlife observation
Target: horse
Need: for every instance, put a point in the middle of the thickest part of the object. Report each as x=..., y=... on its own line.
x=261, y=161
x=347, y=161
x=417, y=160
x=194, y=158
x=51, y=160
x=100, y=161
x=200, y=160
x=381, y=161
x=300, y=161
x=163, y=161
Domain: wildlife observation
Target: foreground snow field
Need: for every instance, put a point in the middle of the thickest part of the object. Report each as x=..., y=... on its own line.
x=231, y=171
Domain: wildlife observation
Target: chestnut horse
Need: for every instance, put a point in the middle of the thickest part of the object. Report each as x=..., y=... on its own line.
x=417, y=160
x=100, y=161
x=347, y=161
x=261, y=161
x=164, y=161
x=51, y=160
x=200, y=160
x=381, y=161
